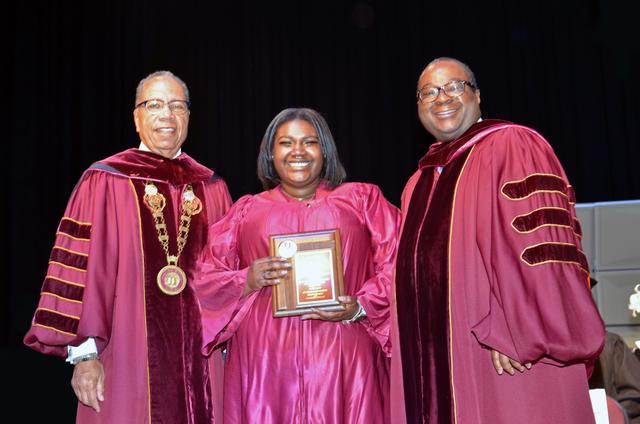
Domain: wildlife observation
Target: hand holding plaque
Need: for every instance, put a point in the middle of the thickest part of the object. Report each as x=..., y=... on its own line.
x=266, y=271
x=315, y=279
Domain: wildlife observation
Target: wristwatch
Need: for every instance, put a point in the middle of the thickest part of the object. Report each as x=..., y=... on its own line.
x=357, y=317
x=82, y=358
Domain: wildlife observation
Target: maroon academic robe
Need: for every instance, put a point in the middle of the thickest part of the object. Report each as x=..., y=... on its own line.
x=285, y=370
x=490, y=258
x=101, y=282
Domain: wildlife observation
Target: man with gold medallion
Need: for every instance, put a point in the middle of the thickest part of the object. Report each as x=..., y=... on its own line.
x=116, y=301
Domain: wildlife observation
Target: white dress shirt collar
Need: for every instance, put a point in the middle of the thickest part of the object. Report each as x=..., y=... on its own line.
x=144, y=148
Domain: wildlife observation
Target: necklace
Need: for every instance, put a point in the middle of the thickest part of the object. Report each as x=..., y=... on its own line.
x=171, y=278
x=299, y=199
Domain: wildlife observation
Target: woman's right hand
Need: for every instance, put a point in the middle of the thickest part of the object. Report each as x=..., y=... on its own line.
x=267, y=271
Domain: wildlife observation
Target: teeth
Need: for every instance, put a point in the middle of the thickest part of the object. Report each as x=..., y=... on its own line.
x=166, y=129
x=298, y=164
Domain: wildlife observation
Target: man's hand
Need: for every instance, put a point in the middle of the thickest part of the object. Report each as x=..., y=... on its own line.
x=88, y=383
x=350, y=304
x=502, y=362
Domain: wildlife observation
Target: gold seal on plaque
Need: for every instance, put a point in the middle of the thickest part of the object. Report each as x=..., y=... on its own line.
x=287, y=249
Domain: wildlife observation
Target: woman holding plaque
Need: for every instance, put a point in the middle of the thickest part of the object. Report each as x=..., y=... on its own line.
x=325, y=366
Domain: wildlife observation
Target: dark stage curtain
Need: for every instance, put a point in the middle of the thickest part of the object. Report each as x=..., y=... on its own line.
x=567, y=68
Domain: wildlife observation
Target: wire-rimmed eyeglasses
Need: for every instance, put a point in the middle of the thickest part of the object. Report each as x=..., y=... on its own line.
x=155, y=106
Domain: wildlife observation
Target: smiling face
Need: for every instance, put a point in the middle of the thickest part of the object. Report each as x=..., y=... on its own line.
x=297, y=157
x=162, y=133
x=447, y=118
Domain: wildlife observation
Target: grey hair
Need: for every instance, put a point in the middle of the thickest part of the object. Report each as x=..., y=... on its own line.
x=470, y=75
x=157, y=74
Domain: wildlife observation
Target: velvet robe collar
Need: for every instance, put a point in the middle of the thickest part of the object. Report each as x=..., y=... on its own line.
x=442, y=153
x=136, y=163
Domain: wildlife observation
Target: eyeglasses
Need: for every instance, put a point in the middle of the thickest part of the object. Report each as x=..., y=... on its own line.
x=451, y=89
x=156, y=106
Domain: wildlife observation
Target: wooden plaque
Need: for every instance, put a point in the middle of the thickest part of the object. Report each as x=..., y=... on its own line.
x=315, y=278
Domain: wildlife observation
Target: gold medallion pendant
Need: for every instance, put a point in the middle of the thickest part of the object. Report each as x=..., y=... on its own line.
x=171, y=279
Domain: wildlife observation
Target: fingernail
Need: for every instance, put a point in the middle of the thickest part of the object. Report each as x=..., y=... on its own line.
x=528, y=366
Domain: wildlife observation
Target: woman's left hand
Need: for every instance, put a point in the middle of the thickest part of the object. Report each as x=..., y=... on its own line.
x=351, y=307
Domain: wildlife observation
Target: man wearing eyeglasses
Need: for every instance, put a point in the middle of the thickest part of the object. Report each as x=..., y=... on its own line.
x=495, y=320
x=116, y=300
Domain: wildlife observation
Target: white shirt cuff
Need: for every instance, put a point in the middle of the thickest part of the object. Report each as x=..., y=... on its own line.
x=86, y=348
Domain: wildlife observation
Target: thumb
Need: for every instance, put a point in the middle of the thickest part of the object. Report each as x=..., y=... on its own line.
x=100, y=389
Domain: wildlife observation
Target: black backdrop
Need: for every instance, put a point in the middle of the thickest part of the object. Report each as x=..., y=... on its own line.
x=567, y=68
